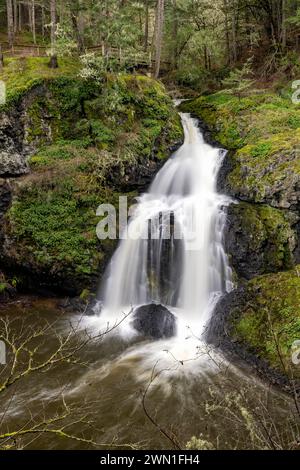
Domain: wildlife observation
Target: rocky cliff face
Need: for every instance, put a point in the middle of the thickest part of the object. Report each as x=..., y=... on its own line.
x=13, y=161
x=67, y=146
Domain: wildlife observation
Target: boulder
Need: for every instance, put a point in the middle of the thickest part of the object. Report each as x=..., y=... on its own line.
x=155, y=321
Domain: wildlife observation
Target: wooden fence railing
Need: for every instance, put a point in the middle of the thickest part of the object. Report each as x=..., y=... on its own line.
x=123, y=55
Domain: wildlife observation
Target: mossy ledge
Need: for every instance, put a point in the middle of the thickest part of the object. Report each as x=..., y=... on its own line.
x=80, y=144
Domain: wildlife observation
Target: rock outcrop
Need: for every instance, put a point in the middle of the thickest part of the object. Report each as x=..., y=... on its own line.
x=12, y=159
x=260, y=239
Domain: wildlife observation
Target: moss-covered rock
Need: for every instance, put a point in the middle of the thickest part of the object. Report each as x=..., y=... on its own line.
x=268, y=172
x=269, y=319
x=259, y=239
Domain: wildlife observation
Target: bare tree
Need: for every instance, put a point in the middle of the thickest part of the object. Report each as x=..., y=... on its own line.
x=28, y=354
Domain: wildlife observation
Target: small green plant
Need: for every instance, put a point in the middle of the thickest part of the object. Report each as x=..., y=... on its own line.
x=239, y=81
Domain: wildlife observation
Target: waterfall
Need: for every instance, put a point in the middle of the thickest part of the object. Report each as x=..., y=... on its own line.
x=173, y=253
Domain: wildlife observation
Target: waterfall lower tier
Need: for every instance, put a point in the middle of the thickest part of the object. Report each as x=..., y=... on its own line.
x=173, y=253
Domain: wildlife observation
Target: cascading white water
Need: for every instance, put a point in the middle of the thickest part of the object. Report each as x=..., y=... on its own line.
x=173, y=253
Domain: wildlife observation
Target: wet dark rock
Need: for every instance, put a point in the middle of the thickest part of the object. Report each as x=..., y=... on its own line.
x=15, y=144
x=155, y=321
x=12, y=158
x=260, y=239
x=88, y=306
x=5, y=196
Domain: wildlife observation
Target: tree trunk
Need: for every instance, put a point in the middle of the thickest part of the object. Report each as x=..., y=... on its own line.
x=146, y=36
x=159, y=35
x=78, y=33
x=10, y=22
x=20, y=16
x=15, y=16
x=234, y=34
x=43, y=21
x=227, y=38
x=29, y=15
x=283, y=25
x=205, y=57
x=1, y=59
x=33, y=21
x=53, y=59
x=175, y=34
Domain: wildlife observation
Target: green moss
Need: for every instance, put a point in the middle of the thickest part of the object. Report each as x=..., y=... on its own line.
x=260, y=150
x=270, y=321
x=54, y=226
x=20, y=75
